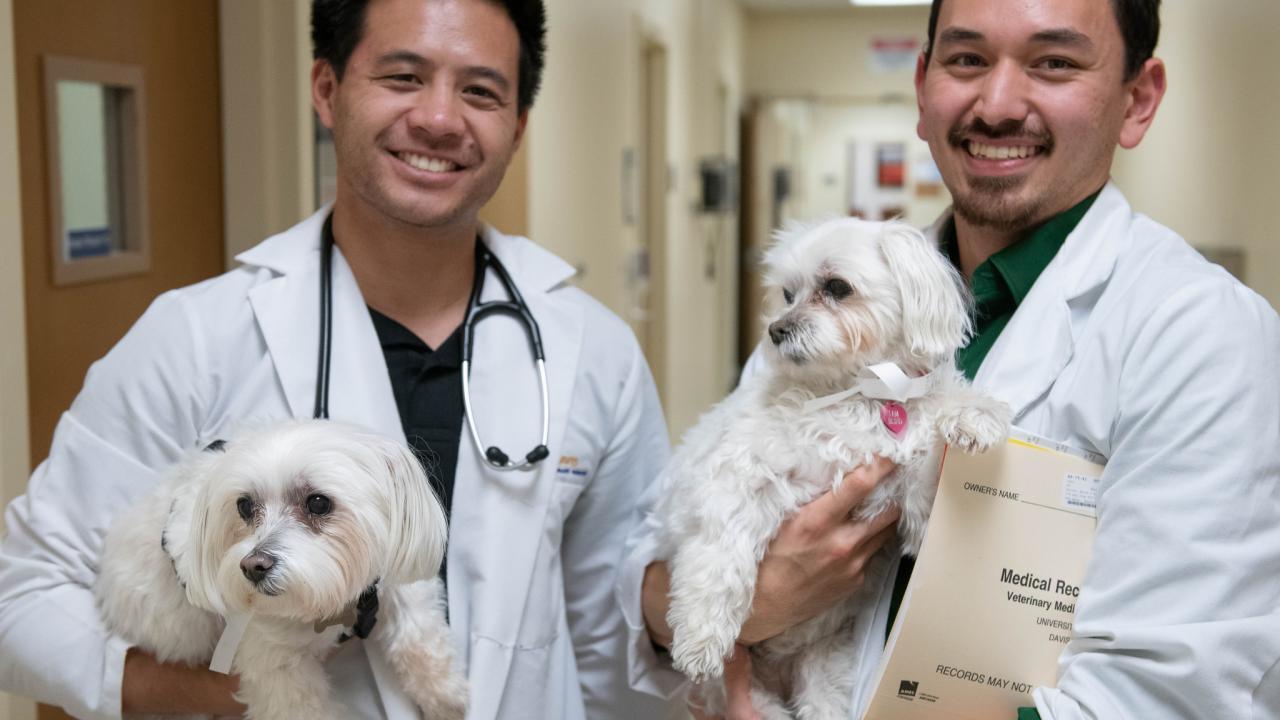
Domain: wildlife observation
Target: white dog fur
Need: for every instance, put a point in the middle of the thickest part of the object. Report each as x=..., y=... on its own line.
x=382, y=522
x=842, y=295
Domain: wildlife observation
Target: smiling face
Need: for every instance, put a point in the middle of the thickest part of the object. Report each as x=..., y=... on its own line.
x=425, y=117
x=1023, y=102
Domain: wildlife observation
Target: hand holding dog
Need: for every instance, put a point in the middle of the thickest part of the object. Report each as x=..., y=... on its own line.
x=816, y=559
x=818, y=556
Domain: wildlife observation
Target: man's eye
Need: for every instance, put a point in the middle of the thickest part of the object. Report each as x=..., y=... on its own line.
x=244, y=506
x=402, y=78
x=966, y=60
x=1057, y=64
x=788, y=296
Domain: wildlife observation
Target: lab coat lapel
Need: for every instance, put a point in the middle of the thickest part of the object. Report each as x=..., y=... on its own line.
x=287, y=309
x=1040, y=339
x=500, y=517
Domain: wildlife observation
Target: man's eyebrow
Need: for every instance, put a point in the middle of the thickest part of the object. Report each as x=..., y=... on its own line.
x=959, y=35
x=1063, y=36
x=495, y=76
x=1053, y=36
x=400, y=56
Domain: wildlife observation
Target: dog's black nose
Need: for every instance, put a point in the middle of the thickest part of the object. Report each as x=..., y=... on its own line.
x=256, y=565
x=779, y=331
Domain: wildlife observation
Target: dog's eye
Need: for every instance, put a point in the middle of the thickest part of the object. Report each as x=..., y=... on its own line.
x=319, y=504
x=788, y=295
x=837, y=289
x=244, y=506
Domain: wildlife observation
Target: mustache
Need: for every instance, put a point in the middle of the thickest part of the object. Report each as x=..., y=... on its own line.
x=1006, y=130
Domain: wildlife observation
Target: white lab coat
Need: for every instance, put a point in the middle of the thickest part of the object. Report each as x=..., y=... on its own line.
x=1132, y=346
x=532, y=555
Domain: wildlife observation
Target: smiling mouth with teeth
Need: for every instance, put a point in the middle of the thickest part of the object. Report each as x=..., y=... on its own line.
x=1001, y=152
x=422, y=162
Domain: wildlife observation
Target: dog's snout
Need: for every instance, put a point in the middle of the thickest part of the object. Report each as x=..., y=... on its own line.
x=779, y=330
x=256, y=565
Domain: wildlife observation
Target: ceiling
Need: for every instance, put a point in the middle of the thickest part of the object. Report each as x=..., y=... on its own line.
x=794, y=4
x=783, y=5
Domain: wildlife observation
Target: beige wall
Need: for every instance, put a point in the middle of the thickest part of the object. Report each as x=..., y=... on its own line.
x=1208, y=167
x=825, y=53
x=14, y=463
x=267, y=133
x=588, y=114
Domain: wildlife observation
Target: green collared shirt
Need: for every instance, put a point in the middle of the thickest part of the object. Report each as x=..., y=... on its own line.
x=1003, y=280
x=999, y=286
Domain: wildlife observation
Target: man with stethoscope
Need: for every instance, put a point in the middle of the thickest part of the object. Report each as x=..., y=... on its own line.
x=376, y=312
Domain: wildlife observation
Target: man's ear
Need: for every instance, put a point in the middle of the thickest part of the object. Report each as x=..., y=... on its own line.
x=324, y=87
x=922, y=64
x=521, y=122
x=1143, y=95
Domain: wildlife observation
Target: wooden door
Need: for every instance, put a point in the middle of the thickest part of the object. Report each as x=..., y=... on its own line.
x=176, y=45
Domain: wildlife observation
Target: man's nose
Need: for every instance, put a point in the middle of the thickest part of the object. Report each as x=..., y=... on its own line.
x=256, y=565
x=438, y=112
x=1003, y=96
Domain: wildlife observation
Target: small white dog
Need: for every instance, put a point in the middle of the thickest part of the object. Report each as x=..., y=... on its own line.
x=288, y=525
x=848, y=301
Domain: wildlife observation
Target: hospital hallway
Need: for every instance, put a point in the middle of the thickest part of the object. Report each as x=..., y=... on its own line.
x=145, y=143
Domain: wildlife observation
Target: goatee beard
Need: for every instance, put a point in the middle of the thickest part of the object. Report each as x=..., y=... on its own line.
x=986, y=202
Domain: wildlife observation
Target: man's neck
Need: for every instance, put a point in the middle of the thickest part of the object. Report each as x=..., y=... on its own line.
x=976, y=244
x=421, y=278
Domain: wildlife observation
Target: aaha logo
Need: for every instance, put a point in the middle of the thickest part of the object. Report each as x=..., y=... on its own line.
x=907, y=689
x=571, y=465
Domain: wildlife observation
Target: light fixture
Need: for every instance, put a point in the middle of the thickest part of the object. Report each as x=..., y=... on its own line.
x=886, y=3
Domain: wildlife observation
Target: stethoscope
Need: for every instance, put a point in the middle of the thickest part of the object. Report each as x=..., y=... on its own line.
x=476, y=310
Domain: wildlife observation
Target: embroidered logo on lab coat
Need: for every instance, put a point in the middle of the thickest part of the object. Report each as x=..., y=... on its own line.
x=570, y=465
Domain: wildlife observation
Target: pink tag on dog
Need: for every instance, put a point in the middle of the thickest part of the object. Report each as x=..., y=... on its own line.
x=894, y=417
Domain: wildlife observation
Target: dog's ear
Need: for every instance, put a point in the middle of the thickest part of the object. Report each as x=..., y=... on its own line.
x=935, y=305
x=417, y=526
x=199, y=559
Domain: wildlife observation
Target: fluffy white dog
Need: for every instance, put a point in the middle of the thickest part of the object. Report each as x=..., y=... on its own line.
x=848, y=301
x=288, y=525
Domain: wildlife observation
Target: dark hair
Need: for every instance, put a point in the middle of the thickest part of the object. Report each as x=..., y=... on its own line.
x=1139, y=22
x=337, y=26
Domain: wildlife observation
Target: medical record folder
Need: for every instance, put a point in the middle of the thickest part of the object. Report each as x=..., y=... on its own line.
x=992, y=599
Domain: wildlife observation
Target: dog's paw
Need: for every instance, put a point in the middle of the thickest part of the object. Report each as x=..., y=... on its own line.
x=449, y=703
x=976, y=427
x=700, y=660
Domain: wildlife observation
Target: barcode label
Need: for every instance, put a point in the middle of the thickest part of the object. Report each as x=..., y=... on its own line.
x=1080, y=491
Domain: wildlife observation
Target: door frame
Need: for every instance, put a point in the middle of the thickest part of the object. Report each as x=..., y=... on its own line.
x=15, y=448
x=655, y=186
x=15, y=451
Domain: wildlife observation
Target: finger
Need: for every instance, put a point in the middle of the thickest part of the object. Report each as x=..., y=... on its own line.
x=854, y=487
x=737, y=685
x=694, y=704
x=869, y=548
x=875, y=525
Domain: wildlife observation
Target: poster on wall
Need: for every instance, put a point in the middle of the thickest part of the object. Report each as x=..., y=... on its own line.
x=891, y=169
x=928, y=179
x=893, y=54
